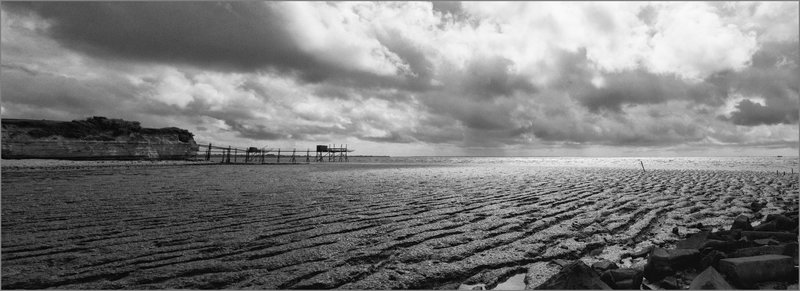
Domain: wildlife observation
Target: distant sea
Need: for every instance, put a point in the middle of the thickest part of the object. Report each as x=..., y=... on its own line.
x=769, y=163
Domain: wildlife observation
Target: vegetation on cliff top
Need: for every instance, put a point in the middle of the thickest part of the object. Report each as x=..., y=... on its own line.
x=93, y=128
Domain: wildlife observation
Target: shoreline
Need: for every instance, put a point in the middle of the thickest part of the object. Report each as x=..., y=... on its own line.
x=14, y=165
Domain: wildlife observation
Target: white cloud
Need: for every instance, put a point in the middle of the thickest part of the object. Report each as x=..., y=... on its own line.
x=336, y=33
x=692, y=41
x=481, y=62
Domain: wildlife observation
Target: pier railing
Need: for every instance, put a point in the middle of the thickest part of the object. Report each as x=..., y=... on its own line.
x=264, y=155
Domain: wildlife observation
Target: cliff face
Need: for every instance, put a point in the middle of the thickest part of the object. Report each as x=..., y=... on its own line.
x=95, y=138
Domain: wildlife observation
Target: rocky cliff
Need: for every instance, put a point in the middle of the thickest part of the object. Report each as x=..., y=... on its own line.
x=95, y=138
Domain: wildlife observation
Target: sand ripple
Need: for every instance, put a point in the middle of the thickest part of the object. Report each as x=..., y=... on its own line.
x=377, y=226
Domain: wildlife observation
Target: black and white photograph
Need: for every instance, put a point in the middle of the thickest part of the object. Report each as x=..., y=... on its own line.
x=435, y=145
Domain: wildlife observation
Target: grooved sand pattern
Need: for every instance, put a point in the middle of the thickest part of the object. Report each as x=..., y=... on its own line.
x=364, y=226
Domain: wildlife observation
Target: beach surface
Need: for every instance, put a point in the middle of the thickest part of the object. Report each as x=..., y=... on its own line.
x=412, y=224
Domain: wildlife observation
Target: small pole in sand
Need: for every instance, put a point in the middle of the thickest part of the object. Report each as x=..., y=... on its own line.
x=279, y=156
x=307, y=156
x=208, y=152
x=643, y=170
x=293, y=160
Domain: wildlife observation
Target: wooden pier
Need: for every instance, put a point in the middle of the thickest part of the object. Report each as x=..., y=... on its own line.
x=264, y=155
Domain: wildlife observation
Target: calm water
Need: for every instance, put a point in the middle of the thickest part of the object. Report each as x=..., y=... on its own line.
x=770, y=164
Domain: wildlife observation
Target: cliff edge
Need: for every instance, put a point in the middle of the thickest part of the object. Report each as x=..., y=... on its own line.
x=96, y=138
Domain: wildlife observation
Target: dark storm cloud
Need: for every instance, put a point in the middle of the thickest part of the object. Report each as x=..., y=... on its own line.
x=629, y=86
x=772, y=54
x=773, y=78
x=751, y=113
x=256, y=132
x=233, y=35
x=227, y=36
x=474, y=114
x=32, y=88
x=452, y=7
x=253, y=71
x=639, y=87
x=491, y=77
x=392, y=137
x=421, y=67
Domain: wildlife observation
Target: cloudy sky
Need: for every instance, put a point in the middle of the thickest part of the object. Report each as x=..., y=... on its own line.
x=419, y=78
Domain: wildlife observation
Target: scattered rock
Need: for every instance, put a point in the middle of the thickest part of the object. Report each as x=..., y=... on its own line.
x=763, y=256
x=472, y=287
x=742, y=222
x=725, y=246
x=695, y=241
x=746, y=271
x=596, y=251
x=622, y=278
x=778, y=235
x=757, y=206
x=538, y=273
x=697, y=226
x=669, y=282
x=785, y=249
x=561, y=262
x=772, y=285
x=664, y=262
x=710, y=258
x=765, y=241
x=781, y=222
x=710, y=279
x=604, y=265
x=642, y=253
x=725, y=235
x=575, y=276
x=766, y=226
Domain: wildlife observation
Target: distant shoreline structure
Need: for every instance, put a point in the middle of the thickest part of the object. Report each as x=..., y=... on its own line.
x=95, y=138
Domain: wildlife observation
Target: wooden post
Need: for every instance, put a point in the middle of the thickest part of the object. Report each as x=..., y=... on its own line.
x=235, y=153
x=279, y=156
x=246, y=156
x=229, y=155
x=208, y=152
x=293, y=160
x=262, y=156
x=643, y=170
x=345, y=153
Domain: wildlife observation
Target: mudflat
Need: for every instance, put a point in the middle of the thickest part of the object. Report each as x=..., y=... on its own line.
x=350, y=226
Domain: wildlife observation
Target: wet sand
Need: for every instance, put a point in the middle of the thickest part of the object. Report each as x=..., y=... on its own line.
x=348, y=226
